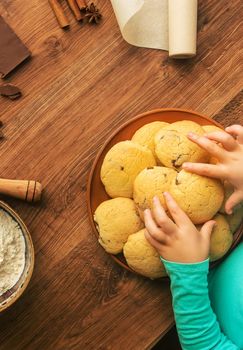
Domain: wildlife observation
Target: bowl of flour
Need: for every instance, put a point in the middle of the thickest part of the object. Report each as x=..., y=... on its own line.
x=16, y=256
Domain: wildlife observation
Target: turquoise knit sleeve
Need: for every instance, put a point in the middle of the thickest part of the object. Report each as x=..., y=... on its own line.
x=196, y=323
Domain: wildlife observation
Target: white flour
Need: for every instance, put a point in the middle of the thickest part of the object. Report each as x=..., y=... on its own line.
x=12, y=252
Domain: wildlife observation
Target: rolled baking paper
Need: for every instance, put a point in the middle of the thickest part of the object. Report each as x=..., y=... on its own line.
x=145, y=23
x=182, y=28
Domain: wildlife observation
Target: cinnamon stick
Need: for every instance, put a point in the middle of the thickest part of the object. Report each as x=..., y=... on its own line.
x=59, y=13
x=75, y=9
x=81, y=4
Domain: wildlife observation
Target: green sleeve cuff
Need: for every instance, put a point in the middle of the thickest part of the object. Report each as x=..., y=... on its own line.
x=171, y=266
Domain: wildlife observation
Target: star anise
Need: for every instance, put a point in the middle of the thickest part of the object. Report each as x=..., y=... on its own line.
x=93, y=14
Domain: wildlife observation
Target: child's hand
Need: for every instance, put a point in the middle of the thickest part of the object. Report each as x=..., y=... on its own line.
x=177, y=241
x=230, y=160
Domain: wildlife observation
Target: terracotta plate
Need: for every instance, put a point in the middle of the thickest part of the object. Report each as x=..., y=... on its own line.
x=95, y=190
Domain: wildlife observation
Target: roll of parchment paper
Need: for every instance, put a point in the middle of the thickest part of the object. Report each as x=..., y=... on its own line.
x=182, y=28
x=153, y=23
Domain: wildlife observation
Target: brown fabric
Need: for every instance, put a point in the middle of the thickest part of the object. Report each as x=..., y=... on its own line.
x=12, y=50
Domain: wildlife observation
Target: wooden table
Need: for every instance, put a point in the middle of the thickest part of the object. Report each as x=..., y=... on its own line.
x=78, y=88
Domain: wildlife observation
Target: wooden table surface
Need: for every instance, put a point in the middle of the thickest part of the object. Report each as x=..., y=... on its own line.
x=79, y=87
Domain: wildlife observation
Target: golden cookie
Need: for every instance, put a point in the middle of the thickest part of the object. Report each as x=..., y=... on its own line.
x=152, y=182
x=121, y=165
x=173, y=148
x=186, y=126
x=116, y=219
x=211, y=128
x=199, y=196
x=142, y=257
x=221, y=238
x=145, y=135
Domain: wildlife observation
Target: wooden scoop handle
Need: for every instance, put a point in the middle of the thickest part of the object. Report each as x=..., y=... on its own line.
x=29, y=191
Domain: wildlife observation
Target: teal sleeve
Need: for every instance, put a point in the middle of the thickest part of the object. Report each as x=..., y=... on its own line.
x=226, y=295
x=196, y=323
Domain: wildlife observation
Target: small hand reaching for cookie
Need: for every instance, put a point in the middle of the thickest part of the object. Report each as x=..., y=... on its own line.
x=178, y=240
x=230, y=160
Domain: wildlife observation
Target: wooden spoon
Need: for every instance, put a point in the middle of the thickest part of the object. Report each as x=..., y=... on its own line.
x=28, y=190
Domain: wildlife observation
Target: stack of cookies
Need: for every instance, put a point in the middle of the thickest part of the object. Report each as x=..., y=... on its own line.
x=136, y=170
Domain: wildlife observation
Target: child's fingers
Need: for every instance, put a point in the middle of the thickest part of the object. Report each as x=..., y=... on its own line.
x=203, y=169
x=178, y=215
x=161, y=217
x=207, y=229
x=152, y=241
x=236, y=130
x=152, y=228
x=208, y=145
x=228, y=142
x=233, y=200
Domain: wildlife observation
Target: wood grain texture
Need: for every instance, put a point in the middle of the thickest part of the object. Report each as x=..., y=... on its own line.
x=79, y=86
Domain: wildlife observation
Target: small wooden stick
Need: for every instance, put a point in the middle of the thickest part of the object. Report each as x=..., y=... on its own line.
x=59, y=13
x=81, y=4
x=30, y=191
x=75, y=9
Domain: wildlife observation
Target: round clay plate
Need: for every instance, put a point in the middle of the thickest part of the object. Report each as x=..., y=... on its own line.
x=95, y=190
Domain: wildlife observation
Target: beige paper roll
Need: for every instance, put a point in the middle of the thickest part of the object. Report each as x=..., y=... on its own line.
x=182, y=28
x=145, y=23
